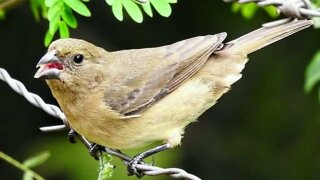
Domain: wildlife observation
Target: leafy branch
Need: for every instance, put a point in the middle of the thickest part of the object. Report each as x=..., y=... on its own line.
x=61, y=17
x=60, y=13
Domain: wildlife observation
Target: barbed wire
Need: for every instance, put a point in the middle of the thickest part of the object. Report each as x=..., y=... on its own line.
x=34, y=99
x=292, y=9
x=54, y=111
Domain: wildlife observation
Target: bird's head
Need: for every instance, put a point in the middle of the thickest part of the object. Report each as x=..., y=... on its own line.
x=70, y=61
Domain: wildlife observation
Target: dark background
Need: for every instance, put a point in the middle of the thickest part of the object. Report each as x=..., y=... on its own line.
x=266, y=127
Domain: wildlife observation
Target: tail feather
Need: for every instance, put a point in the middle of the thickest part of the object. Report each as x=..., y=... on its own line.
x=265, y=36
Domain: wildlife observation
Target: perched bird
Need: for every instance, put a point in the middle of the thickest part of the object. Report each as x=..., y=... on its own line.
x=130, y=98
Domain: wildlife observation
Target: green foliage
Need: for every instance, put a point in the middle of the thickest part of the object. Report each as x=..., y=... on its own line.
x=34, y=162
x=106, y=168
x=133, y=8
x=312, y=76
x=249, y=10
x=60, y=15
x=2, y=14
x=38, y=9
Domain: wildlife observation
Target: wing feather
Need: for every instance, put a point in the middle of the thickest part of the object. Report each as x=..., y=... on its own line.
x=168, y=67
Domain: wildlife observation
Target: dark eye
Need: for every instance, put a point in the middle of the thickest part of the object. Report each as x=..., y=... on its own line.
x=78, y=58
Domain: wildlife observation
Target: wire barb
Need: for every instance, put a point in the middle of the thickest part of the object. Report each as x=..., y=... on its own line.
x=54, y=111
x=293, y=9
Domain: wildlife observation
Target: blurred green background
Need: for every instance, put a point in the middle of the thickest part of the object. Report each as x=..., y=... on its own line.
x=266, y=127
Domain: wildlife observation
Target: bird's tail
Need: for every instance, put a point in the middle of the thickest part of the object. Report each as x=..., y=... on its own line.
x=264, y=36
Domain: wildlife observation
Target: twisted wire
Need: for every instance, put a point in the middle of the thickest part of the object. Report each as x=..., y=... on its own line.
x=34, y=99
x=293, y=9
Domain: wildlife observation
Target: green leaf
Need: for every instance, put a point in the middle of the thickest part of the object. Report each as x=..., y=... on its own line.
x=48, y=38
x=147, y=8
x=78, y=7
x=2, y=14
x=133, y=10
x=117, y=10
x=33, y=162
x=248, y=10
x=235, y=7
x=68, y=17
x=34, y=5
x=37, y=160
x=163, y=7
x=43, y=7
x=272, y=11
x=110, y=2
x=49, y=3
x=19, y=165
x=54, y=23
x=172, y=1
x=54, y=10
x=312, y=76
x=63, y=30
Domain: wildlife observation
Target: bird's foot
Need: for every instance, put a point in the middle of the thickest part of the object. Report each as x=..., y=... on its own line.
x=94, y=150
x=132, y=166
x=138, y=159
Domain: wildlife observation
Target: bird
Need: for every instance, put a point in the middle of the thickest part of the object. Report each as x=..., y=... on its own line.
x=130, y=98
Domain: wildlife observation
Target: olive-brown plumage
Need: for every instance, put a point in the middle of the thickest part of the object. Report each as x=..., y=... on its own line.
x=127, y=99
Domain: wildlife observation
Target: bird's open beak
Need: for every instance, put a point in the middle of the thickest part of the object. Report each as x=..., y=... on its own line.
x=49, y=66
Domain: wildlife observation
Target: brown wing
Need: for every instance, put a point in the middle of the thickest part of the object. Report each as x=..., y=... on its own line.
x=150, y=74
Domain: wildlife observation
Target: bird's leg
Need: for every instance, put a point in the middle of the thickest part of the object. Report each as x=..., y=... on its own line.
x=137, y=159
x=92, y=147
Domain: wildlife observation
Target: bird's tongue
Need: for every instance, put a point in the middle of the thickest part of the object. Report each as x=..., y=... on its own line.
x=54, y=65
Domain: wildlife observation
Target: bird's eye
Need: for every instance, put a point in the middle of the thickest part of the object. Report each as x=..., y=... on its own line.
x=78, y=58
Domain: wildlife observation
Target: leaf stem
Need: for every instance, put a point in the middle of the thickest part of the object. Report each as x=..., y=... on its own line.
x=20, y=166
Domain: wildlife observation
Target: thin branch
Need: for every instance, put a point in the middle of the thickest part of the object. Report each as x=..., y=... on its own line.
x=20, y=166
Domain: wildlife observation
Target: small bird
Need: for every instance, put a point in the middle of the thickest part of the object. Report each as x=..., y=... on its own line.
x=130, y=98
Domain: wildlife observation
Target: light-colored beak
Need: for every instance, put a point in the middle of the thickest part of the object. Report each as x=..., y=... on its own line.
x=49, y=66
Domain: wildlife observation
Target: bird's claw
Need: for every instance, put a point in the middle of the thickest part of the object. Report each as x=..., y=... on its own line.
x=132, y=167
x=94, y=151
